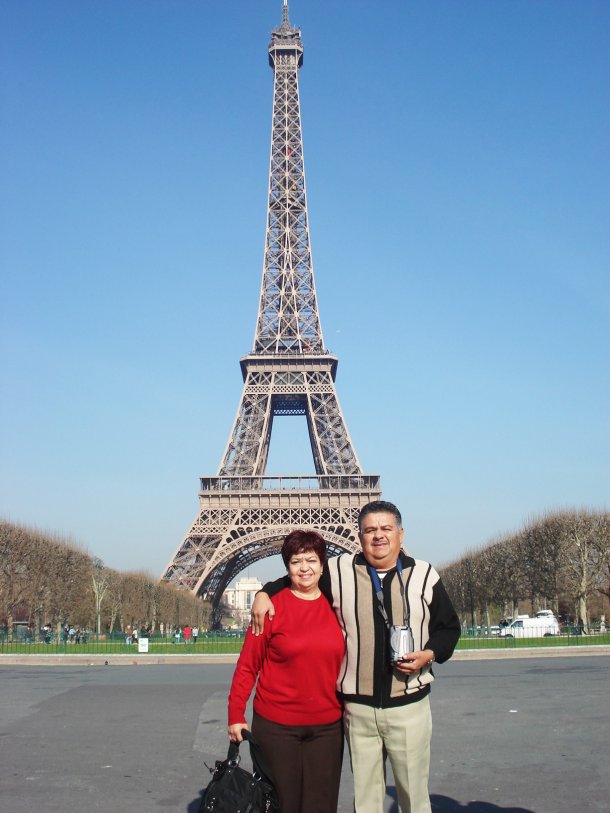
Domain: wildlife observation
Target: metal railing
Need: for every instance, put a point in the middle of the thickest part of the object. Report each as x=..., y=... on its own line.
x=297, y=482
x=569, y=636
x=227, y=643
x=210, y=643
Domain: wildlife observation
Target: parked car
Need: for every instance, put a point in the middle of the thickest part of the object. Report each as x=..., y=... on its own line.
x=542, y=626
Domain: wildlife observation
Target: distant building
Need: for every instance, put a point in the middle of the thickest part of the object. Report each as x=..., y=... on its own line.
x=240, y=597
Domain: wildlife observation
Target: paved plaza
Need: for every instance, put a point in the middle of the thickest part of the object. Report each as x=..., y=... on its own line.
x=519, y=735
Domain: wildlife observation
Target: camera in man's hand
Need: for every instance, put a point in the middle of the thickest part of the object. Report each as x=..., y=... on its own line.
x=401, y=643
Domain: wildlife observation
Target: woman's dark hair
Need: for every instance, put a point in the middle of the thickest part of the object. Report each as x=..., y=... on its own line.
x=302, y=542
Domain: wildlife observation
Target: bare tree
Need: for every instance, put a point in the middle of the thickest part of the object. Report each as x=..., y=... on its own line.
x=15, y=559
x=44, y=578
x=586, y=538
x=99, y=578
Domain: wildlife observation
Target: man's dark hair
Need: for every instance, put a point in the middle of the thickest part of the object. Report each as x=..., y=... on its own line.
x=379, y=507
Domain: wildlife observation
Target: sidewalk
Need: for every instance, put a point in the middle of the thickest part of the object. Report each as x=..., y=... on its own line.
x=168, y=659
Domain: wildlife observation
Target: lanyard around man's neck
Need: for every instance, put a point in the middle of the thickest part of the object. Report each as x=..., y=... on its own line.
x=379, y=594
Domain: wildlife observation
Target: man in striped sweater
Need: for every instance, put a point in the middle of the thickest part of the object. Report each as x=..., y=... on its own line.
x=397, y=620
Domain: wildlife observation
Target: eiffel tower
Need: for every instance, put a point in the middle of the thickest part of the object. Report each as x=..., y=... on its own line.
x=244, y=515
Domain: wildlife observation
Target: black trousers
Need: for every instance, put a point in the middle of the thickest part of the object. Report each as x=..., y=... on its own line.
x=305, y=761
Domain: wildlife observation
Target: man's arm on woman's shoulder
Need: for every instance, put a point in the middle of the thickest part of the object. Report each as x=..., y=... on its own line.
x=262, y=604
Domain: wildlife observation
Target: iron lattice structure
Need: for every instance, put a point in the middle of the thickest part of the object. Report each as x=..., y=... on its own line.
x=243, y=514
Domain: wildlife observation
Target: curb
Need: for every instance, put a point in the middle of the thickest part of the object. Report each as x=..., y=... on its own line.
x=530, y=652
x=113, y=660
x=165, y=660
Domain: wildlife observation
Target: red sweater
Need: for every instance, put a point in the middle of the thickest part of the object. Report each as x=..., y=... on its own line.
x=296, y=659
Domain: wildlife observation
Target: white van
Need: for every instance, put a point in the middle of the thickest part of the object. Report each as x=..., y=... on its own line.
x=542, y=626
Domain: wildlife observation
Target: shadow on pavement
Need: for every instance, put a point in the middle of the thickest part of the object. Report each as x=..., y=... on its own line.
x=193, y=807
x=440, y=804
x=444, y=804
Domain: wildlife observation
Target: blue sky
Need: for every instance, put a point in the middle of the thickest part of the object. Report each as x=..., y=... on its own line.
x=457, y=167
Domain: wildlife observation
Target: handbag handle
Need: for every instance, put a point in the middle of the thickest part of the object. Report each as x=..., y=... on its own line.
x=233, y=752
x=260, y=763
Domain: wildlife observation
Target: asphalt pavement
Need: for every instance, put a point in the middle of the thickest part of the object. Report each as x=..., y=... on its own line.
x=518, y=735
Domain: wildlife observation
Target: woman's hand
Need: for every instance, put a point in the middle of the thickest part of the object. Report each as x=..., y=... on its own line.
x=261, y=606
x=235, y=730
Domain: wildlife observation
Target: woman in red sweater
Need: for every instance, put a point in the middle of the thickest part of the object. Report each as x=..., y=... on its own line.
x=297, y=714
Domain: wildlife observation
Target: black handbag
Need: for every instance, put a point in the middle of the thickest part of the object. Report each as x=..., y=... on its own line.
x=235, y=790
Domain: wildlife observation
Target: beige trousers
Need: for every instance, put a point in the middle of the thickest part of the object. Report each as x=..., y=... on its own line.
x=403, y=734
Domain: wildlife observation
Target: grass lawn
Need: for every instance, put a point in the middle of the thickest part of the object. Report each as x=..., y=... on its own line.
x=210, y=646
x=474, y=642
x=223, y=645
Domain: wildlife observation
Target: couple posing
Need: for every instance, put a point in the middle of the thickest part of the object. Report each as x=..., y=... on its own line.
x=347, y=647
